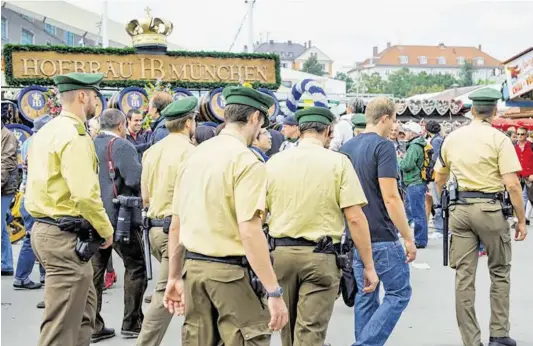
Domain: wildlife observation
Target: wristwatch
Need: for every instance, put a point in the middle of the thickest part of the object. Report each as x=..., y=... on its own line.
x=277, y=293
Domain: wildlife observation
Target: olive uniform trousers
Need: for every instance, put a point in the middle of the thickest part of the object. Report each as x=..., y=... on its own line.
x=157, y=318
x=69, y=294
x=221, y=307
x=471, y=223
x=135, y=281
x=310, y=283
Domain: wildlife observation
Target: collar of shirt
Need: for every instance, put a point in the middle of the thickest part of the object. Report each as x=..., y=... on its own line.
x=72, y=116
x=307, y=142
x=109, y=133
x=235, y=134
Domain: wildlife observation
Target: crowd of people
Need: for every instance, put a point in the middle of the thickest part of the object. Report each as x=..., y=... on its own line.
x=206, y=203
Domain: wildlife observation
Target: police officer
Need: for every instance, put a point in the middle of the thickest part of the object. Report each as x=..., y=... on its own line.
x=160, y=166
x=309, y=190
x=217, y=211
x=477, y=215
x=65, y=183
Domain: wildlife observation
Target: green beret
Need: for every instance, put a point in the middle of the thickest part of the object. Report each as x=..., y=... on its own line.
x=359, y=121
x=249, y=97
x=180, y=108
x=485, y=96
x=78, y=81
x=315, y=114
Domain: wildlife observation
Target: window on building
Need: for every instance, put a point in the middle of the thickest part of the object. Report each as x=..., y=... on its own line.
x=27, y=37
x=323, y=67
x=27, y=17
x=461, y=60
x=50, y=29
x=69, y=38
x=441, y=60
x=4, y=28
x=404, y=59
x=291, y=55
x=423, y=60
x=480, y=61
x=284, y=64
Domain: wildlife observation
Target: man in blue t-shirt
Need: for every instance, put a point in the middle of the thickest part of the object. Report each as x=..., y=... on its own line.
x=374, y=159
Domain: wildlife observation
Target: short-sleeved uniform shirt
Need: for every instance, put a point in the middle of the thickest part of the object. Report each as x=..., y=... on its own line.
x=477, y=155
x=221, y=185
x=62, y=174
x=308, y=186
x=160, y=169
x=374, y=157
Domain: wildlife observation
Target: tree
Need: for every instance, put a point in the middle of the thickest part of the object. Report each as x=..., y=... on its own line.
x=372, y=83
x=422, y=89
x=400, y=82
x=313, y=67
x=466, y=75
x=344, y=77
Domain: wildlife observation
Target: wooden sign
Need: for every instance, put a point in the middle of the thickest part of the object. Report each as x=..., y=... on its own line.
x=177, y=68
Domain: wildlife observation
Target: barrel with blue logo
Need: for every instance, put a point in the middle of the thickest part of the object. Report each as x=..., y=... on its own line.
x=130, y=98
x=32, y=102
x=274, y=110
x=180, y=93
x=22, y=133
x=212, y=106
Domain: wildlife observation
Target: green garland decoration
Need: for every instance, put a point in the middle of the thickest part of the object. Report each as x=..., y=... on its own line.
x=15, y=82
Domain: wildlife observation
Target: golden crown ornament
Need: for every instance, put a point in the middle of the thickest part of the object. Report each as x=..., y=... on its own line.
x=149, y=31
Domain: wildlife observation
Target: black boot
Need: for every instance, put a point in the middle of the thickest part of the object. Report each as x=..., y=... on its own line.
x=501, y=341
x=105, y=333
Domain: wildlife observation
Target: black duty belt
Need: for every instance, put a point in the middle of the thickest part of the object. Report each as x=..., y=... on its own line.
x=293, y=242
x=47, y=220
x=477, y=194
x=235, y=260
x=159, y=222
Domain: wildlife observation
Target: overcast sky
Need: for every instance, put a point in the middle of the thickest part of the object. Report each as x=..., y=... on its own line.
x=345, y=30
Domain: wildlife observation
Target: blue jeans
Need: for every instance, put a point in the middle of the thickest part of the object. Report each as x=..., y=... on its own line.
x=7, y=252
x=26, y=259
x=437, y=220
x=374, y=322
x=417, y=209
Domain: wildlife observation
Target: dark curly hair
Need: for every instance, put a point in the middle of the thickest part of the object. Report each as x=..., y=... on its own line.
x=432, y=127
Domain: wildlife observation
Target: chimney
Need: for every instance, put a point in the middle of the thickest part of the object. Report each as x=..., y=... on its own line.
x=309, y=44
x=305, y=45
x=245, y=48
x=289, y=42
x=441, y=45
x=375, y=51
x=388, y=45
x=271, y=42
x=479, y=47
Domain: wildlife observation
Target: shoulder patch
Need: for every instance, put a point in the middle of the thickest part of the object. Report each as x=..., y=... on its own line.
x=81, y=129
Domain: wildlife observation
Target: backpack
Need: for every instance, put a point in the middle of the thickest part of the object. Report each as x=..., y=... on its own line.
x=427, y=171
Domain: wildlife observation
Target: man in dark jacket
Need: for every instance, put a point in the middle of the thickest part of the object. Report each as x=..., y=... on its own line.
x=159, y=101
x=9, y=187
x=124, y=178
x=135, y=133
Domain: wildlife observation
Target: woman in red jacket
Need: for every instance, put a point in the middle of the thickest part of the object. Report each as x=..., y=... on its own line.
x=524, y=150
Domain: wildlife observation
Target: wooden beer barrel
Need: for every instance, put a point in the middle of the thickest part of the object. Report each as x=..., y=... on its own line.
x=274, y=110
x=22, y=133
x=130, y=98
x=32, y=102
x=212, y=106
x=180, y=93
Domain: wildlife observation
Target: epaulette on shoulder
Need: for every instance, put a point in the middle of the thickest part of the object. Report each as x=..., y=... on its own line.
x=81, y=129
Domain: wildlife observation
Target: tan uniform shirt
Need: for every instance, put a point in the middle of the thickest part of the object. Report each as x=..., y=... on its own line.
x=221, y=185
x=63, y=174
x=308, y=186
x=478, y=155
x=160, y=168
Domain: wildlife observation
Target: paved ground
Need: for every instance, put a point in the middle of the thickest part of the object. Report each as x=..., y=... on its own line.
x=428, y=321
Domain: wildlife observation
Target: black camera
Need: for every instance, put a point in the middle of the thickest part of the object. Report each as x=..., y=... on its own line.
x=125, y=215
x=87, y=246
x=507, y=205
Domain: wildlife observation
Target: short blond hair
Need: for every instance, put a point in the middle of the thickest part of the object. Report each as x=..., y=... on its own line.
x=379, y=107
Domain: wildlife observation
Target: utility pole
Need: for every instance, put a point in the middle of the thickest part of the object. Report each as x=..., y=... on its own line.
x=105, y=39
x=250, y=25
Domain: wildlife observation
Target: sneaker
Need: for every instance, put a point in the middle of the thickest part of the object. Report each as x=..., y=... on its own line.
x=40, y=305
x=130, y=334
x=148, y=299
x=501, y=341
x=30, y=285
x=105, y=333
x=110, y=279
x=482, y=253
